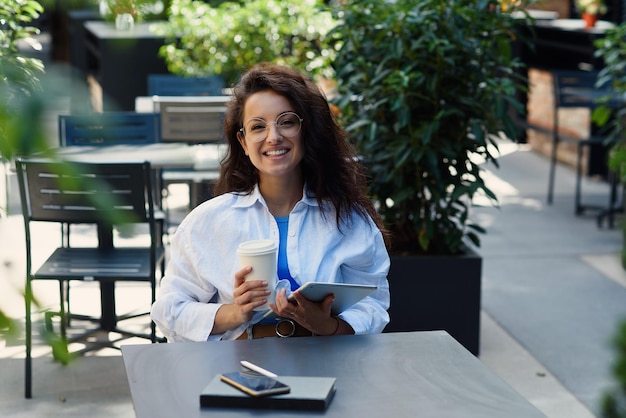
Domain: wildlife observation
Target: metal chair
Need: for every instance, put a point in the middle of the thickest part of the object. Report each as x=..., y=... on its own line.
x=186, y=106
x=109, y=128
x=577, y=89
x=194, y=120
x=102, y=195
x=106, y=129
x=176, y=85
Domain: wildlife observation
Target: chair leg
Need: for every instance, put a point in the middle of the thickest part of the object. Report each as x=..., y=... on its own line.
x=153, y=338
x=579, y=173
x=612, y=209
x=63, y=314
x=555, y=143
x=28, y=365
x=612, y=199
x=68, y=315
x=65, y=242
x=193, y=195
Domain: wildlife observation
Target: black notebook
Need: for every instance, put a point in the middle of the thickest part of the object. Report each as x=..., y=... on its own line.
x=307, y=393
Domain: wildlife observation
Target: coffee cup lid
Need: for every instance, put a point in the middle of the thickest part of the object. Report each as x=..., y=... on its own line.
x=258, y=247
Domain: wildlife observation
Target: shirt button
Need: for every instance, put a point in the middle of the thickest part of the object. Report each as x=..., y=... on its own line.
x=292, y=234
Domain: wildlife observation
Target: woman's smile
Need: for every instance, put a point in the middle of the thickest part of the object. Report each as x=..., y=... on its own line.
x=276, y=152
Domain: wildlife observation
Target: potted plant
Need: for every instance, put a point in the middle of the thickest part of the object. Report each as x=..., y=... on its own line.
x=140, y=10
x=424, y=86
x=611, y=49
x=226, y=39
x=590, y=10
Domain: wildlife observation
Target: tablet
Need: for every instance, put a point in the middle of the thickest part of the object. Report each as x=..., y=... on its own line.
x=346, y=294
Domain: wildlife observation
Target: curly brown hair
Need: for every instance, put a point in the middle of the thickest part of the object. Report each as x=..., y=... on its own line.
x=331, y=168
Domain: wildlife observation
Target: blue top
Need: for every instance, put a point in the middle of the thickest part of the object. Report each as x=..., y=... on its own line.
x=283, y=268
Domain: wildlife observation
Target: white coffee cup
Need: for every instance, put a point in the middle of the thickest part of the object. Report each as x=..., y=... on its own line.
x=261, y=255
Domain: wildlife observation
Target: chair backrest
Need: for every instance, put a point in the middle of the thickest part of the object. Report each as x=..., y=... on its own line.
x=175, y=85
x=576, y=89
x=109, y=128
x=85, y=192
x=192, y=119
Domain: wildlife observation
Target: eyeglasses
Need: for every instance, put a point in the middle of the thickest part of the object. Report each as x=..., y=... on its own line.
x=288, y=124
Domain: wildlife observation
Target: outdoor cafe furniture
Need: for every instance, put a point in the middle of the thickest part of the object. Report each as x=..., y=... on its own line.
x=158, y=156
x=191, y=120
x=577, y=89
x=98, y=194
x=172, y=155
x=413, y=374
x=130, y=137
x=112, y=128
x=102, y=130
x=201, y=158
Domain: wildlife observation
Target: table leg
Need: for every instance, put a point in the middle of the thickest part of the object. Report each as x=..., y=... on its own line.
x=108, y=317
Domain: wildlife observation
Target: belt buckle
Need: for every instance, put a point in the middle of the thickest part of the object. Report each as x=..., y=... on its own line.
x=288, y=334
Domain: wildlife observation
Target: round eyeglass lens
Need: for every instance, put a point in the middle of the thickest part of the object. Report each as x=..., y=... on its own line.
x=288, y=125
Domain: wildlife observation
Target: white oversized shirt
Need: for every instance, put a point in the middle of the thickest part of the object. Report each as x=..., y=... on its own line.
x=200, y=273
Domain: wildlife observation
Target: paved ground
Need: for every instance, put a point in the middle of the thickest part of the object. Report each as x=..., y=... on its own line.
x=553, y=280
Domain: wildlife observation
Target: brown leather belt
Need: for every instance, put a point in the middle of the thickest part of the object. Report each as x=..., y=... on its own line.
x=283, y=328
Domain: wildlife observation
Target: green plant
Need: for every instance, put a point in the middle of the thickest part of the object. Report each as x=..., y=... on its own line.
x=612, y=50
x=19, y=74
x=423, y=86
x=21, y=87
x=23, y=99
x=141, y=10
x=614, y=400
x=123, y=6
x=49, y=5
x=229, y=38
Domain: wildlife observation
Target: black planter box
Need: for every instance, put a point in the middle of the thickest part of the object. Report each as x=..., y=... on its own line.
x=437, y=293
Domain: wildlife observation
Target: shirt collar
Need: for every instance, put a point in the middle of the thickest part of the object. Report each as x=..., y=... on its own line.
x=247, y=200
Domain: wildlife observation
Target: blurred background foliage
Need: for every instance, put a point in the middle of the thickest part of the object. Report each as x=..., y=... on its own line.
x=612, y=50
x=614, y=401
x=229, y=37
x=24, y=98
x=20, y=78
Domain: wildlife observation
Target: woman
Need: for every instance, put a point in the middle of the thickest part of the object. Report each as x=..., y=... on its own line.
x=290, y=176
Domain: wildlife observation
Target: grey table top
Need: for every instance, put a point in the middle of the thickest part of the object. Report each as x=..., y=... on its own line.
x=160, y=155
x=414, y=374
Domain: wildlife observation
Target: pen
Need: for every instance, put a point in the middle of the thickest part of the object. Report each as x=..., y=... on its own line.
x=257, y=369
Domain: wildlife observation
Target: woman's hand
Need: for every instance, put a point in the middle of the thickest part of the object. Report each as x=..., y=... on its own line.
x=313, y=316
x=248, y=295
x=283, y=307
